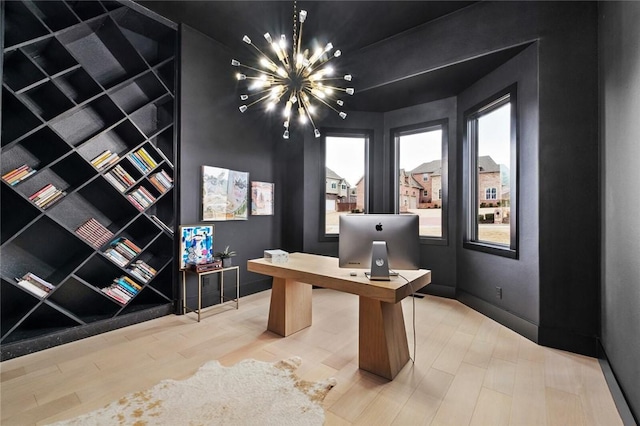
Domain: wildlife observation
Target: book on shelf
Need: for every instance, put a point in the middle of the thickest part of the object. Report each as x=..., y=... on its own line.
x=35, y=285
x=105, y=159
x=122, y=289
x=142, y=160
x=122, y=251
x=120, y=178
x=47, y=196
x=141, y=198
x=94, y=233
x=142, y=271
x=16, y=176
x=162, y=225
x=161, y=180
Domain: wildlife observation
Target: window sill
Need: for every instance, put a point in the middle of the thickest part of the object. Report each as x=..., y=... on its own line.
x=489, y=248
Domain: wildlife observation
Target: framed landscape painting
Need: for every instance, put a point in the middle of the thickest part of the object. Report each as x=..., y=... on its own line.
x=224, y=194
x=262, y=198
x=196, y=245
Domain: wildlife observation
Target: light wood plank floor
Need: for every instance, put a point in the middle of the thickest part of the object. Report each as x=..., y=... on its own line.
x=468, y=370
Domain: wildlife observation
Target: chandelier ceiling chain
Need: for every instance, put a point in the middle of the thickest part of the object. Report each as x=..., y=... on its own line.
x=302, y=80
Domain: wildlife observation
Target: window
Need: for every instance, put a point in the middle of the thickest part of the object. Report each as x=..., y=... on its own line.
x=345, y=154
x=421, y=170
x=492, y=150
x=491, y=194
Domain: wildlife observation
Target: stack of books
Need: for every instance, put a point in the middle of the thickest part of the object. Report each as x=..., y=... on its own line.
x=105, y=159
x=46, y=196
x=161, y=180
x=120, y=178
x=122, y=251
x=16, y=176
x=142, y=160
x=142, y=271
x=122, y=289
x=94, y=233
x=35, y=285
x=141, y=198
x=162, y=225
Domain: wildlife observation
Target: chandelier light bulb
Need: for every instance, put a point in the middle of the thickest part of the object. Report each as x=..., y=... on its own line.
x=246, y=39
x=241, y=76
x=328, y=47
x=303, y=16
x=283, y=41
x=270, y=106
x=243, y=108
x=316, y=132
x=337, y=53
x=340, y=102
x=343, y=115
x=244, y=97
x=235, y=63
x=348, y=77
x=349, y=90
x=285, y=135
x=267, y=36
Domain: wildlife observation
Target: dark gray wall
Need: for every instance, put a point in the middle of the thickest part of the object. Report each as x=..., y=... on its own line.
x=620, y=130
x=214, y=133
x=480, y=273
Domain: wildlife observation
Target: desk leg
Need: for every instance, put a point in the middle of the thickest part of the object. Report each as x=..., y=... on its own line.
x=383, y=347
x=290, y=309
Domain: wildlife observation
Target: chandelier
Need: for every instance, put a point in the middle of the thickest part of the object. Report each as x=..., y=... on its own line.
x=301, y=79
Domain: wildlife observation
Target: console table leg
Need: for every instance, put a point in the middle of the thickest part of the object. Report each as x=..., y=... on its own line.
x=383, y=347
x=290, y=309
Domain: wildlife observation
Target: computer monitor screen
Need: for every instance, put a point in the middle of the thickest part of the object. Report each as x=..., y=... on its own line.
x=379, y=242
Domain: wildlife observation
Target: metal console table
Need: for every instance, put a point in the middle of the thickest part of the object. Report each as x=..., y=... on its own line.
x=221, y=271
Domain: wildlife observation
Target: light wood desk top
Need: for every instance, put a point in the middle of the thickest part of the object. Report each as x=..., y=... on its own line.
x=323, y=271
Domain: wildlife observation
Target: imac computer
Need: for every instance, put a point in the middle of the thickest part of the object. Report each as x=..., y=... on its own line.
x=379, y=242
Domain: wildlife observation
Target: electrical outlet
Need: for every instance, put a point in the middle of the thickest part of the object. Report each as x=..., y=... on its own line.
x=499, y=292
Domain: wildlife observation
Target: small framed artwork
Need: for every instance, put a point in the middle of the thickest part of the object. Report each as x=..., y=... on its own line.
x=262, y=198
x=225, y=194
x=196, y=245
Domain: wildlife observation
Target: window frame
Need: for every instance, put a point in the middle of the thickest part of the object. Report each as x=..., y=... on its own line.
x=423, y=127
x=470, y=142
x=367, y=135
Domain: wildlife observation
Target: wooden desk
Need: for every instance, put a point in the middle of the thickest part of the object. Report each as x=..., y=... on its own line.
x=382, y=340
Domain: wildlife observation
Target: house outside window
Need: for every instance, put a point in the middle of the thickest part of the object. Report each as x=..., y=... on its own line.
x=419, y=153
x=345, y=154
x=491, y=144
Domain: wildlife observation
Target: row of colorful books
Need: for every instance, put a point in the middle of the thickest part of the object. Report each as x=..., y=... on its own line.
x=122, y=289
x=105, y=159
x=46, y=196
x=94, y=233
x=122, y=251
x=161, y=180
x=16, y=176
x=162, y=225
x=120, y=178
x=142, y=160
x=141, y=198
x=35, y=285
x=142, y=271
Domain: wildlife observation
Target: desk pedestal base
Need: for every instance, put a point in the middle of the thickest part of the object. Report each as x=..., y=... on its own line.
x=290, y=309
x=382, y=346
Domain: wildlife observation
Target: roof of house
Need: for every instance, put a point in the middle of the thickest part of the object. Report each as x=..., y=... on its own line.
x=433, y=167
x=487, y=165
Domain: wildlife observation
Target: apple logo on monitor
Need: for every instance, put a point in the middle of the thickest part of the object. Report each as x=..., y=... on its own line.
x=379, y=227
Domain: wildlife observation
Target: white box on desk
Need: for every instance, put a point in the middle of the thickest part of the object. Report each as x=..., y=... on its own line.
x=276, y=256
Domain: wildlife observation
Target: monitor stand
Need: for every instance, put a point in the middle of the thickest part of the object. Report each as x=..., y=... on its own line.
x=379, y=262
